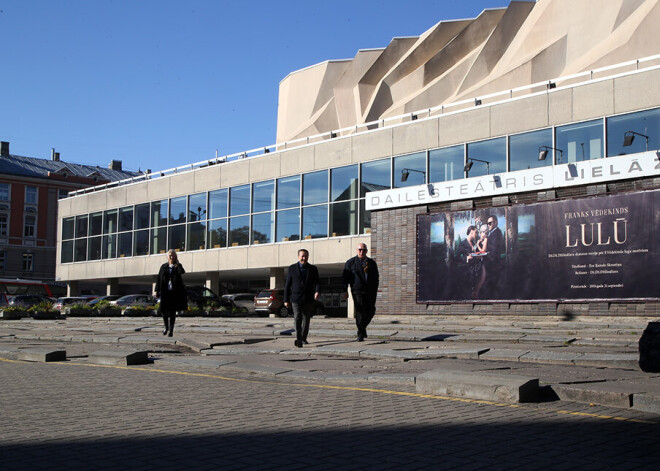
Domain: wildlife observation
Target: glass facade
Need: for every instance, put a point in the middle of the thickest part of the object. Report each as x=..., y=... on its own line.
x=331, y=203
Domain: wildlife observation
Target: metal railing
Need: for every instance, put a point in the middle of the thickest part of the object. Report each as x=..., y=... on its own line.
x=546, y=86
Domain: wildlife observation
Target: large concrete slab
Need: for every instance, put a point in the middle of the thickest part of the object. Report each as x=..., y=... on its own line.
x=646, y=402
x=478, y=385
x=41, y=355
x=119, y=358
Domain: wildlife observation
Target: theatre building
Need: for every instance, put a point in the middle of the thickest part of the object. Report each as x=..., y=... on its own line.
x=506, y=164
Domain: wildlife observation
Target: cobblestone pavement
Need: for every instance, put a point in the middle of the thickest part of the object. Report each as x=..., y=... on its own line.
x=74, y=415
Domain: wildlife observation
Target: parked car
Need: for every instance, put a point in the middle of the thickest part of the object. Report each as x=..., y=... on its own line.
x=239, y=300
x=131, y=299
x=109, y=298
x=200, y=295
x=271, y=301
x=28, y=300
x=61, y=303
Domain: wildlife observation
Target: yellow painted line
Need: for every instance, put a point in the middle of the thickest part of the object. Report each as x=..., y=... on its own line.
x=349, y=388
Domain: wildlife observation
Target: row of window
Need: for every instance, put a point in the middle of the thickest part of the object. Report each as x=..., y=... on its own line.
x=30, y=211
x=31, y=193
x=27, y=264
x=330, y=203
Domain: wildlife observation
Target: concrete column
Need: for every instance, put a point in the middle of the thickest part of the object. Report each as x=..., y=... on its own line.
x=213, y=282
x=277, y=278
x=72, y=289
x=112, y=286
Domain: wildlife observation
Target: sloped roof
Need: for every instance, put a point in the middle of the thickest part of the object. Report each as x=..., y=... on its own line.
x=38, y=168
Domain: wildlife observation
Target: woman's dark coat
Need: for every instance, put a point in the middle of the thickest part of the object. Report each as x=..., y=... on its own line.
x=176, y=298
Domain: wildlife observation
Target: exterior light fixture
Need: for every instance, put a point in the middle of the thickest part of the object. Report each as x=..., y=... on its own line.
x=543, y=152
x=629, y=137
x=406, y=172
x=551, y=85
x=477, y=102
x=471, y=161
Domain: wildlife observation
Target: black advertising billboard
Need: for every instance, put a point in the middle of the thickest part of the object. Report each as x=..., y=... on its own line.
x=583, y=249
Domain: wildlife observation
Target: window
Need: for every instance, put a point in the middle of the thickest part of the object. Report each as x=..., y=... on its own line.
x=446, y=164
x=524, y=150
x=239, y=231
x=28, y=262
x=196, y=236
x=487, y=157
x=94, y=248
x=4, y=224
x=581, y=141
x=197, y=207
x=634, y=132
x=315, y=187
x=376, y=176
x=263, y=228
x=81, y=226
x=110, y=221
x=178, y=210
x=177, y=237
x=159, y=213
x=288, y=192
x=263, y=196
x=344, y=183
x=3, y=256
x=142, y=216
x=68, y=225
x=158, y=240
x=30, y=195
x=217, y=235
x=410, y=170
x=126, y=219
x=29, y=229
x=343, y=218
x=66, y=256
x=125, y=244
x=61, y=194
x=218, y=204
x=315, y=222
x=141, y=242
x=288, y=225
x=96, y=224
x=239, y=200
x=4, y=191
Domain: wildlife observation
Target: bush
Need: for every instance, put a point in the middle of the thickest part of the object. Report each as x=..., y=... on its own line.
x=42, y=306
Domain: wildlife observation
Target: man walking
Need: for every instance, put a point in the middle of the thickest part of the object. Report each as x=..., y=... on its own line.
x=361, y=272
x=301, y=291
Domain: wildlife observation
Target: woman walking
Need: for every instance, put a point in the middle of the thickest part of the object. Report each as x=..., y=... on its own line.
x=171, y=291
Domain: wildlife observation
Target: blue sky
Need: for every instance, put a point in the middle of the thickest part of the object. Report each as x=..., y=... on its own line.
x=160, y=83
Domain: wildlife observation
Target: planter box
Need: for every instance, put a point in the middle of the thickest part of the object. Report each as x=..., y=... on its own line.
x=13, y=314
x=192, y=313
x=217, y=313
x=107, y=312
x=53, y=314
x=132, y=312
x=78, y=312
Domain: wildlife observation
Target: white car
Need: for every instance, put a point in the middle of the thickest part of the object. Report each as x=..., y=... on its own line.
x=239, y=300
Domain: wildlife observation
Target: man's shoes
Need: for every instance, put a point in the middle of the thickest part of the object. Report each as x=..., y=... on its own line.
x=165, y=332
x=298, y=343
x=170, y=334
x=360, y=338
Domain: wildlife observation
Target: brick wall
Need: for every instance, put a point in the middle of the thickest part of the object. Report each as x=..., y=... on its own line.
x=393, y=246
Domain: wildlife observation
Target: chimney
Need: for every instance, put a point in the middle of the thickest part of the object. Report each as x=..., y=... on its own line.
x=115, y=165
x=4, y=149
x=54, y=156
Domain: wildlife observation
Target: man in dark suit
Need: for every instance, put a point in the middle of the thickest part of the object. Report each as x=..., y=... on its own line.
x=493, y=259
x=301, y=291
x=361, y=272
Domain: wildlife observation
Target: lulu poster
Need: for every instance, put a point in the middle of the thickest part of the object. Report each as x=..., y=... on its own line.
x=599, y=248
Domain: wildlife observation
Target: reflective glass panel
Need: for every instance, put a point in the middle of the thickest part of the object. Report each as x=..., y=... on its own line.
x=109, y=246
x=67, y=252
x=96, y=224
x=487, y=157
x=68, y=225
x=263, y=196
x=126, y=219
x=177, y=210
x=446, y=164
x=524, y=150
x=344, y=183
x=628, y=134
x=315, y=222
x=125, y=247
x=581, y=141
x=288, y=225
x=315, y=187
x=197, y=207
x=159, y=240
x=142, y=216
x=94, y=248
x=217, y=233
x=288, y=192
x=375, y=176
x=110, y=221
x=263, y=228
x=81, y=226
x=343, y=218
x=239, y=200
x=365, y=219
x=196, y=236
x=218, y=204
x=159, y=213
x=410, y=170
x=80, y=250
x=176, y=236
x=141, y=242
x=239, y=231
